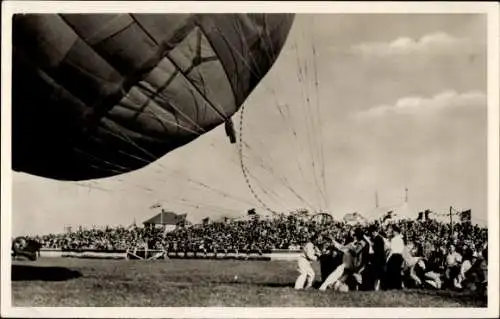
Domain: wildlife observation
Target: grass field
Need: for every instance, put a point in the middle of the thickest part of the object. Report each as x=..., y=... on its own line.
x=201, y=283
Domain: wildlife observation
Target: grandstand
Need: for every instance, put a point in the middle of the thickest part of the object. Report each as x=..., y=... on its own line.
x=252, y=233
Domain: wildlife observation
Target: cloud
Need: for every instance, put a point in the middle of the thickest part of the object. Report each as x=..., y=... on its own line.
x=417, y=104
x=434, y=43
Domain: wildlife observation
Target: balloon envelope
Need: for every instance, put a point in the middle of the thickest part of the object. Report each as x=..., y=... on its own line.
x=98, y=95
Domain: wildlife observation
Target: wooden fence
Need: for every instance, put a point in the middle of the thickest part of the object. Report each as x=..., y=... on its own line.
x=153, y=254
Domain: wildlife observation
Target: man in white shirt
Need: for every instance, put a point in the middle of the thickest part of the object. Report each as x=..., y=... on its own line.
x=396, y=243
x=453, y=263
x=395, y=260
x=306, y=272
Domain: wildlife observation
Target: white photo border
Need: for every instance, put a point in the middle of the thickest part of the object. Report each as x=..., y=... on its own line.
x=490, y=9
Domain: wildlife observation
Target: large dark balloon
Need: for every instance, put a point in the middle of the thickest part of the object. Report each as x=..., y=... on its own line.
x=97, y=95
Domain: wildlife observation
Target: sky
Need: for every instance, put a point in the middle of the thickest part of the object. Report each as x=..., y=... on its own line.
x=400, y=102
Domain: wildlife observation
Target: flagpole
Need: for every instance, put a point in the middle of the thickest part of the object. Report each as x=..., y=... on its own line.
x=451, y=222
x=161, y=217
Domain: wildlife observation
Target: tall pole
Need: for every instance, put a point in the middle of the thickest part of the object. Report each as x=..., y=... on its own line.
x=161, y=217
x=451, y=222
x=406, y=195
x=376, y=199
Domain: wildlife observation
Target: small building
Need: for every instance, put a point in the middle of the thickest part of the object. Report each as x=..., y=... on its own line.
x=167, y=220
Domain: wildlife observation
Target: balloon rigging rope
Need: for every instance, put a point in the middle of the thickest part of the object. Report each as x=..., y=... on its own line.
x=243, y=168
x=318, y=114
x=240, y=145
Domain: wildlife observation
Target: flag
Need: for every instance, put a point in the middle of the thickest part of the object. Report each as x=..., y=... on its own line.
x=427, y=213
x=251, y=212
x=157, y=205
x=465, y=216
x=388, y=215
x=205, y=220
x=420, y=215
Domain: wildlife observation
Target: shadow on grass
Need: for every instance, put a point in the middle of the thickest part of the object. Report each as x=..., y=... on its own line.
x=29, y=273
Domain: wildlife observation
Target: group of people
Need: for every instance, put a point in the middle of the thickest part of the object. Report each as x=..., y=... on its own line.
x=379, y=257
x=259, y=234
x=284, y=232
x=404, y=253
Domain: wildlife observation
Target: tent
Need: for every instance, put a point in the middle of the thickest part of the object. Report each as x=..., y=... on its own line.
x=354, y=218
x=403, y=212
x=393, y=213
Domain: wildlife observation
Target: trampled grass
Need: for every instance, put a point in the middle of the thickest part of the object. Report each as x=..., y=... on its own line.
x=189, y=283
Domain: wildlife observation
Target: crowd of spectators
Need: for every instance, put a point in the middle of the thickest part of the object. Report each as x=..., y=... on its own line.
x=258, y=235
